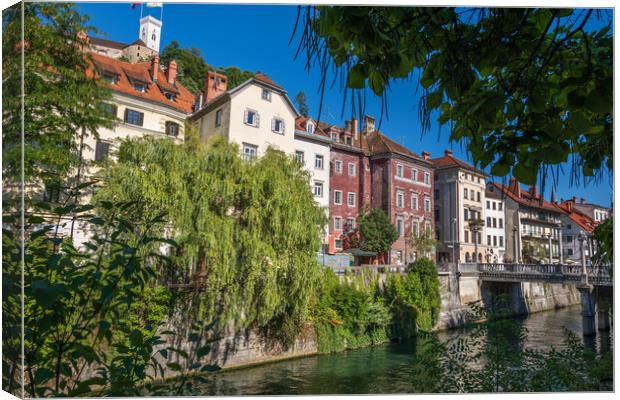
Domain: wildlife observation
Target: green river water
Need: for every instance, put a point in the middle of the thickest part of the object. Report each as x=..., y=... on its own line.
x=386, y=368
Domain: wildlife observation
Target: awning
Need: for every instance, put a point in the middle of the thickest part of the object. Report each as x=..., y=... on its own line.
x=354, y=251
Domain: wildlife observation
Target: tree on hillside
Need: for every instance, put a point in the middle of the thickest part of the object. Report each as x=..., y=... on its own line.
x=193, y=68
x=522, y=88
x=62, y=102
x=376, y=231
x=301, y=101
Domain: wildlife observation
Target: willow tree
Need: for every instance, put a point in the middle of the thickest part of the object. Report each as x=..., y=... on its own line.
x=247, y=231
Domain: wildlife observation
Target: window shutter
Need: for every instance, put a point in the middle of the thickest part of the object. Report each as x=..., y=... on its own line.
x=126, y=114
x=256, y=119
x=141, y=119
x=283, y=127
x=245, y=116
x=273, y=124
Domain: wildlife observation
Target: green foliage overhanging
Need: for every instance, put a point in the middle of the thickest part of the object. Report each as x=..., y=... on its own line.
x=523, y=88
x=247, y=231
x=61, y=101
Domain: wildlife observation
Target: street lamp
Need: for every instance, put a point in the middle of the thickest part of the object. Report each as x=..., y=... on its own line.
x=550, y=251
x=561, y=255
x=454, y=260
x=515, y=230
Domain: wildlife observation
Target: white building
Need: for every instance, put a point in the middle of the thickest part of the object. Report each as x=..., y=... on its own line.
x=255, y=115
x=495, y=213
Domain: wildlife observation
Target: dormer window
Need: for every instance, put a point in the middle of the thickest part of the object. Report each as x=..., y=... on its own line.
x=110, y=78
x=310, y=129
x=170, y=96
x=266, y=95
x=139, y=87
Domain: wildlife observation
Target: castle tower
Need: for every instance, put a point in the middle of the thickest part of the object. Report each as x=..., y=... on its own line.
x=150, y=32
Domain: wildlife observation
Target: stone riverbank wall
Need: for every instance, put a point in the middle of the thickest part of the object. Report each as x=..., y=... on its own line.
x=525, y=297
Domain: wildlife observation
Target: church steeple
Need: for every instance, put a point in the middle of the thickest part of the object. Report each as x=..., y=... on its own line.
x=150, y=32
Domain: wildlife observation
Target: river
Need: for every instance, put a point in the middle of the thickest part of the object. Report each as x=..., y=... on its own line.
x=385, y=368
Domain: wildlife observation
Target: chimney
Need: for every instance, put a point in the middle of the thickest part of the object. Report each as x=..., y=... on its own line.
x=583, y=201
x=447, y=152
x=561, y=200
x=155, y=67
x=215, y=84
x=534, y=191
x=369, y=124
x=513, y=186
x=171, y=72
x=574, y=199
x=354, y=126
x=347, y=126
x=426, y=155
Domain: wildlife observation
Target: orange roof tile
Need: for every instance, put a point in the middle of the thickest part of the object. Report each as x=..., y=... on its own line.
x=448, y=161
x=583, y=221
x=184, y=100
x=526, y=198
x=264, y=78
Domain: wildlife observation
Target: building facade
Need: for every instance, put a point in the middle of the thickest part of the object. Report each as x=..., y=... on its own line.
x=577, y=227
x=594, y=211
x=495, y=218
x=459, y=210
x=532, y=225
x=142, y=49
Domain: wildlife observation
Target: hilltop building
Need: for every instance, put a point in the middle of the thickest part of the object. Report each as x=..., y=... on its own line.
x=142, y=49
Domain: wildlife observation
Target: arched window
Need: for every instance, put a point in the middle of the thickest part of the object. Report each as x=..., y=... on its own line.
x=467, y=257
x=479, y=257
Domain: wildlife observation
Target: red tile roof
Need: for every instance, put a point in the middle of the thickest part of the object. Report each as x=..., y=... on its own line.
x=107, y=43
x=301, y=122
x=526, y=198
x=377, y=143
x=449, y=161
x=264, y=78
x=583, y=221
x=184, y=100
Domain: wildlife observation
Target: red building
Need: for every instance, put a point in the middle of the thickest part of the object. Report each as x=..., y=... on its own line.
x=369, y=169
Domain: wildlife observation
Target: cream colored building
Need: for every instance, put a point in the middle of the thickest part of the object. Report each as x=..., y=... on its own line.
x=459, y=210
x=255, y=115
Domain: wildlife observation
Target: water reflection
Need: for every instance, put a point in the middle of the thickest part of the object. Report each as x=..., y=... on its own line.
x=390, y=368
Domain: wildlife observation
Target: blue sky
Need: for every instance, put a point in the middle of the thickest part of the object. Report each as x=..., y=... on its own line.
x=256, y=38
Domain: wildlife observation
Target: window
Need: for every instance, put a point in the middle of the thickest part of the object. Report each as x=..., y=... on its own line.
x=414, y=174
x=427, y=204
x=265, y=95
x=351, y=199
x=251, y=118
x=399, y=170
x=501, y=241
x=500, y=206
x=112, y=79
x=414, y=228
x=337, y=223
x=465, y=193
x=400, y=226
x=400, y=199
x=465, y=214
x=569, y=226
x=467, y=257
x=478, y=197
x=277, y=125
x=249, y=151
x=569, y=252
x=494, y=240
x=172, y=128
x=310, y=129
x=351, y=169
x=338, y=167
x=338, y=243
x=569, y=239
x=299, y=156
x=337, y=196
x=318, y=189
x=466, y=236
x=102, y=150
x=218, y=118
x=488, y=240
x=489, y=221
x=170, y=96
x=494, y=205
x=494, y=222
x=350, y=224
x=427, y=178
x=488, y=205
x=318, y=161
x=139, y=87
x=52, y=193
x=109, y=108
x=134, y=117
x=414, y=201
x=501, y=222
